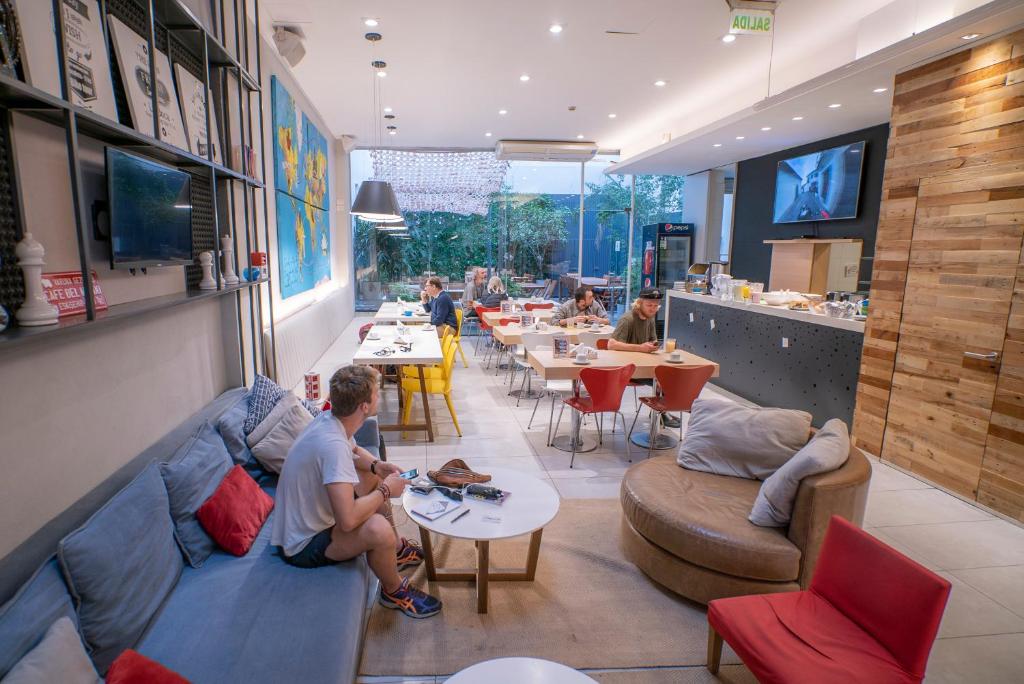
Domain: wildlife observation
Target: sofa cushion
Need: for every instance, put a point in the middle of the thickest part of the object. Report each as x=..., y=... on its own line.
x=25, y=619
x=263, y=396
x=702, y=518
x=368, y=436
x=827, y=450
x=191, y=476
x=273, y=437
x=121, y=565
x=230, y=425
x=726, y=438
x=235, y=513
x=131, y=667
x=59, y=657
x=220, y=622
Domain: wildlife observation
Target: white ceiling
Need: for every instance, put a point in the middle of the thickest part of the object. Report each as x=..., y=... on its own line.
x=452, y=64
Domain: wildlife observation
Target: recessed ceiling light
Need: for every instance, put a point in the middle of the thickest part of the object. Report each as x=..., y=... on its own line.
x=382, y=74
x=766, y=128
x=798, y=118
x=371, y=22
x=740, y=137
x=728, y=38
x=524, y=78
x=660, y=83
x=579, y=137
x=487, y=134
x=717, y=145
x=879, y=90
x=835, y=105
x=970, y=36
x=388, y=110
x=612, y=116
x=503, y=112
x=555, y=28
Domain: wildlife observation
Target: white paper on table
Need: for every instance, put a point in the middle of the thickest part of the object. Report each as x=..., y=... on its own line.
x=434, y=509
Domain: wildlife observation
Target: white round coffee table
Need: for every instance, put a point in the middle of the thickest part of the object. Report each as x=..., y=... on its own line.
x=531, y=505
x=519, y=671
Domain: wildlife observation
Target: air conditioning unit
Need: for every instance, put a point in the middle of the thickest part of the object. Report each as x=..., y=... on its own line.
x=545, y=150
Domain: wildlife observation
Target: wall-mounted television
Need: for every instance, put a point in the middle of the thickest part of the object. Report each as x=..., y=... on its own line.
x=821, y=186
x=150, y=208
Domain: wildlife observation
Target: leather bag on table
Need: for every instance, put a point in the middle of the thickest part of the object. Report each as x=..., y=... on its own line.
x=456, y=473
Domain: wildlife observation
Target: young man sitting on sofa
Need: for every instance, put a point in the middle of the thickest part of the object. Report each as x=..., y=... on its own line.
x=334, y=499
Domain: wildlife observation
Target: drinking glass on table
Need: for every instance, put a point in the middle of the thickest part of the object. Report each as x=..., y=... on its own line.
x=670, y=344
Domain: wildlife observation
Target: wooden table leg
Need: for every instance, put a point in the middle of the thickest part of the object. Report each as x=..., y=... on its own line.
x=533, y=555
x=482, y=563
x=426, y=404
x=428, y=554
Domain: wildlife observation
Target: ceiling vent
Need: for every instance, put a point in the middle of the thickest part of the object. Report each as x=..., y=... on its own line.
x=288, y=40
x=545, y=150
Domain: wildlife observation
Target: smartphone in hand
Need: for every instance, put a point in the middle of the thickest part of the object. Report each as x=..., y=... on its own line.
x=409, y=474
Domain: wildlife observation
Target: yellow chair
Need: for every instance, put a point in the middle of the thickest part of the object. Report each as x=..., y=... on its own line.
x=458, y=336
x=435, y=385
x=434, y=371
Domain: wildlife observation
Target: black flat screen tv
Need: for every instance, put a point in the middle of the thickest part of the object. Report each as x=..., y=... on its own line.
x=821, y=186
x=150, y=212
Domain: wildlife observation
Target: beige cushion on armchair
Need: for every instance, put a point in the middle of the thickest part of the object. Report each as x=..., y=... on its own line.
x=272, y=438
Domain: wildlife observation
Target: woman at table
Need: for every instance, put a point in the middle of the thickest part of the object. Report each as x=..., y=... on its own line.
x=496, y=293
x=439, y=305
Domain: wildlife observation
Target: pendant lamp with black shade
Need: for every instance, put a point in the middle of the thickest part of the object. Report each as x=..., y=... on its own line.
x=376, y=201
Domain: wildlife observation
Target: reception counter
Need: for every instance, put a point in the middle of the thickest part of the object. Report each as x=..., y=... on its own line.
x=770, y=355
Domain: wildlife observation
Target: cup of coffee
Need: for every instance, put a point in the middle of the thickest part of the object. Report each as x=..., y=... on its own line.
x=542, y=326
x=676, y=355
x=581, y=355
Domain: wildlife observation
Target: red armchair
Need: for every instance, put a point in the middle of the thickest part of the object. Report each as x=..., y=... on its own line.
x=870, y=615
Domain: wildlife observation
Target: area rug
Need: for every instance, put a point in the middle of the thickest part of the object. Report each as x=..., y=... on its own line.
x=588, y=607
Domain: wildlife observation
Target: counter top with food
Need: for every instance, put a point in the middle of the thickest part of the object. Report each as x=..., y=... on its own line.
x=791, y=305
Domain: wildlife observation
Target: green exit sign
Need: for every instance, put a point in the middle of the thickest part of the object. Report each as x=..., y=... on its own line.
x=751, y=22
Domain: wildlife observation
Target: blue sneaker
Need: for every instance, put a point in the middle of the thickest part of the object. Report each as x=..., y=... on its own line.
x=410, y=555
x=411, y=601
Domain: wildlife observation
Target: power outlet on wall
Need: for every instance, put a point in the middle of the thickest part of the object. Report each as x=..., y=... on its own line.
x=785, y=342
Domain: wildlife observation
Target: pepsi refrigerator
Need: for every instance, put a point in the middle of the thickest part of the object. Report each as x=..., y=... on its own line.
x=667, y=256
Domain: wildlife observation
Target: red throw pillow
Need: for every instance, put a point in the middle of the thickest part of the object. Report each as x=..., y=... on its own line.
x=235, y=513
x=131, y=667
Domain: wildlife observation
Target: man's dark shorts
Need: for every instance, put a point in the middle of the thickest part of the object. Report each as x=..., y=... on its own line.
x=314, y=554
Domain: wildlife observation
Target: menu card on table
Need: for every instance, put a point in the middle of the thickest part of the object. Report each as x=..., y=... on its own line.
x=561, y=347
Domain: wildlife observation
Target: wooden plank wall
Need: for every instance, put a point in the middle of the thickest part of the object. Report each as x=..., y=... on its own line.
x=964, y=114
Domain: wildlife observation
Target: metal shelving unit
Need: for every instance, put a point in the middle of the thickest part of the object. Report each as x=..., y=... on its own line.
x=168, y=22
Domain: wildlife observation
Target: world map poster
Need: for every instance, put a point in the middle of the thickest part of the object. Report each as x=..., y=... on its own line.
x=301, y=179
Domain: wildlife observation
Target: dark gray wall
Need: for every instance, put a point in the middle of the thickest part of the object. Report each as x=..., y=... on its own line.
x=755, y=198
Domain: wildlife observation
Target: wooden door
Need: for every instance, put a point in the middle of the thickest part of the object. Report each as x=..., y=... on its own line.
x=963, y=263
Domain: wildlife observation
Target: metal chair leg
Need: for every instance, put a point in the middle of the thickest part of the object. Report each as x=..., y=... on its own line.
x=575, y=439
x=551, y=418
x=535, y=405
x=558, y=423
x=631, y=427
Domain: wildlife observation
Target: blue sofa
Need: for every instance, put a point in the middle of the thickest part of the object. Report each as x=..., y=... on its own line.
x=248, y=619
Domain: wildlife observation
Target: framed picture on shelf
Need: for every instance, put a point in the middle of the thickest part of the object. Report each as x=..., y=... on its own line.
x=192, y=95
x=65, y=291
x=202, y=10
x=133, y=59
x=39, y=45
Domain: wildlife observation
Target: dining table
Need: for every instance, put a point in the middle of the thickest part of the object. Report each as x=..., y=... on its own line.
x=564, y=367
x=512, y=334
x=493, y=317
x=402, y=345
x=401, y=312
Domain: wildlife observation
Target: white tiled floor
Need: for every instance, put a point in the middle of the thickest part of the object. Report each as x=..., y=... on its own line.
x=982, y=634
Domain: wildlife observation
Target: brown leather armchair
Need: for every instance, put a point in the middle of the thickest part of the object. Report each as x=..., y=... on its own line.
x=689, y=532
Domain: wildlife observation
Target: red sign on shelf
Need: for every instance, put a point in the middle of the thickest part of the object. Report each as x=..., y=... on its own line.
x=65, y=291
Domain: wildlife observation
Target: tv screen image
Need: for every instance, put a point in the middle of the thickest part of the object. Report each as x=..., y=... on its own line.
x=150, y=212
x=821, y=186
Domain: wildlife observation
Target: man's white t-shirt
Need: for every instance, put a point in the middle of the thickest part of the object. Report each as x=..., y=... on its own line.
x=322, y=455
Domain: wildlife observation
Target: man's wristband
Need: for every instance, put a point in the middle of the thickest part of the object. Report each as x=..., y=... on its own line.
x=373, y=465
x=384, y=490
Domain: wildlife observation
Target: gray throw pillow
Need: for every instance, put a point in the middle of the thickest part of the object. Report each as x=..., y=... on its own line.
x=229, y=425
x=191, y=476
x=272, y=438
x=59, y=657
x=121, y=565
x=725, y=438
x=827, y=450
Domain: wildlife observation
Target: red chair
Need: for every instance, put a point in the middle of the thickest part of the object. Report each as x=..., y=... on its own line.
x=679, y=386
x=603, y=344
x=870, y=615
x=482, y=324
x=604, y=387
x=532, y=306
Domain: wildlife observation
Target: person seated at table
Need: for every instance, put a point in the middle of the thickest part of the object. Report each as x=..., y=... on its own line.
x=334, y=498
x=474, y=291
x=496, y=293
x=439, y=305
x=636, y=332
x=582, y=307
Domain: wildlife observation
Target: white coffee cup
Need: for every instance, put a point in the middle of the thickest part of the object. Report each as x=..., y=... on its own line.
x=676, y=355
x=542, y=326
x=581, y=356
